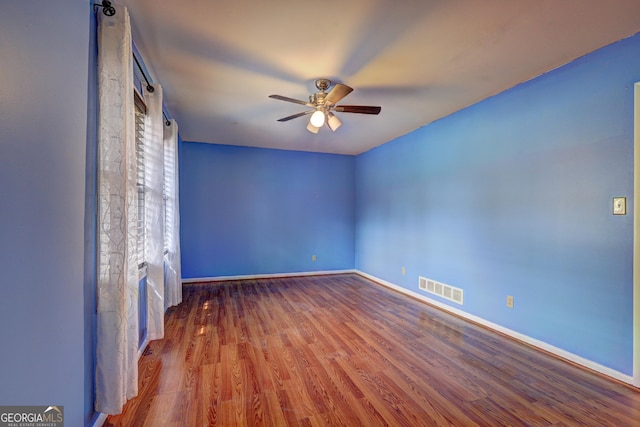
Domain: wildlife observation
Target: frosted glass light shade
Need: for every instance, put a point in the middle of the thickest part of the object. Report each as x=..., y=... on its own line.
x=311, y=128
x=317, y=119
x=334, y=122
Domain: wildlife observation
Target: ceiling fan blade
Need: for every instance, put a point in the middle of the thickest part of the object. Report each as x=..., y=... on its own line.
x=360, y=109
x=295, y=116
x=338, y=92
x=295, y=101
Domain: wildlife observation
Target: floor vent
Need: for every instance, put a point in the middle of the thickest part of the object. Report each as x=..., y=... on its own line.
x=442, y=290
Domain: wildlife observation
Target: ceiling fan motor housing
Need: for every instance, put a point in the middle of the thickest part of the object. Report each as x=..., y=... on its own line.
x=317, y=99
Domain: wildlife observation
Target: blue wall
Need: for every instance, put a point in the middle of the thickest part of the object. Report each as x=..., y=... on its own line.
x=513, y=196
x=257, y=211
x=44, y=101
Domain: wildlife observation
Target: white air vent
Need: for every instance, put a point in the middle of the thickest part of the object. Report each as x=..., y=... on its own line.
x=440, y=289
x=431, y=286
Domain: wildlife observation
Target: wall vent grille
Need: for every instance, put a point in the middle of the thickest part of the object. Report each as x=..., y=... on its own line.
x=445, y=291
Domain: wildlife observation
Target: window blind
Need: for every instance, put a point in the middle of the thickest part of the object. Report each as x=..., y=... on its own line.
x=140, y=112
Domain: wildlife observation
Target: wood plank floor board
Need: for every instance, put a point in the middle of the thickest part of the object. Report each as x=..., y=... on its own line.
x=341, y=350
x=374, y=401
x=456, y=387
x=210, y=391
x=299, y=403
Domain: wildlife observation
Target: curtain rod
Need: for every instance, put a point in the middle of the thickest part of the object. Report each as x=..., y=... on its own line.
x=149, y=87
x=109, y=10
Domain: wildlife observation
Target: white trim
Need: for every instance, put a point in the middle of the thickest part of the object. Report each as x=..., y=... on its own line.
x=100, y=419
x=513, y=334
x=144, y=345
x=636, y=236
x=265, y=276
x=142, y=271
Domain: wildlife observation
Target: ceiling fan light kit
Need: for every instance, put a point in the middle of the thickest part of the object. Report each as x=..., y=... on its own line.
x=323, y=104
x=333, y=121
x=311, y=128
x=317, y=118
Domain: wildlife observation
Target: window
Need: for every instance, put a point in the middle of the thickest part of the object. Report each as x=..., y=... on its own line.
x=168, y=196
x=141, y=111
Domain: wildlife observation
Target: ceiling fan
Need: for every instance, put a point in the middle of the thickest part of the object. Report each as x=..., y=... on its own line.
x=323, y=105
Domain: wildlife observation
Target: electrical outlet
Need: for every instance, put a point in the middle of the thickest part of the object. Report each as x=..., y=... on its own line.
x=313, y=258
x=510, y=301
x=404, y=270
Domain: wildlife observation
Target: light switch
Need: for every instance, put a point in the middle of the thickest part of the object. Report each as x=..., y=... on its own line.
x=619, y=205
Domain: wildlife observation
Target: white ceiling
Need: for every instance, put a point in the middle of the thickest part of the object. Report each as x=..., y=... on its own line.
x=419, y=59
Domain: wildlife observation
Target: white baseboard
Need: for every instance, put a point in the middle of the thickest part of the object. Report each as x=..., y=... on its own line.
x=563, y=354
x=143, y=347
x=265, y=276
x=100, y=419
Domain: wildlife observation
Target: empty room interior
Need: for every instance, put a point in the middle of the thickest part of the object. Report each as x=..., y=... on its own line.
x=415, y=213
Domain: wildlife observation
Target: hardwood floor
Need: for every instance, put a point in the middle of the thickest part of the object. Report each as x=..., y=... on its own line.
x=341, y=350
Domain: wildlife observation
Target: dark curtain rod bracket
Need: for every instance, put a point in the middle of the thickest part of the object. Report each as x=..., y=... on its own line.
x=107, y=9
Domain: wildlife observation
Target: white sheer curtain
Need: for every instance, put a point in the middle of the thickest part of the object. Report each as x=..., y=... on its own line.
x=173, y=292
x=154, y=211
x=117, y=324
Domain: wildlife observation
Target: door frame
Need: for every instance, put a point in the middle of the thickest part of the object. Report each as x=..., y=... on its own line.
x=636, y=236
